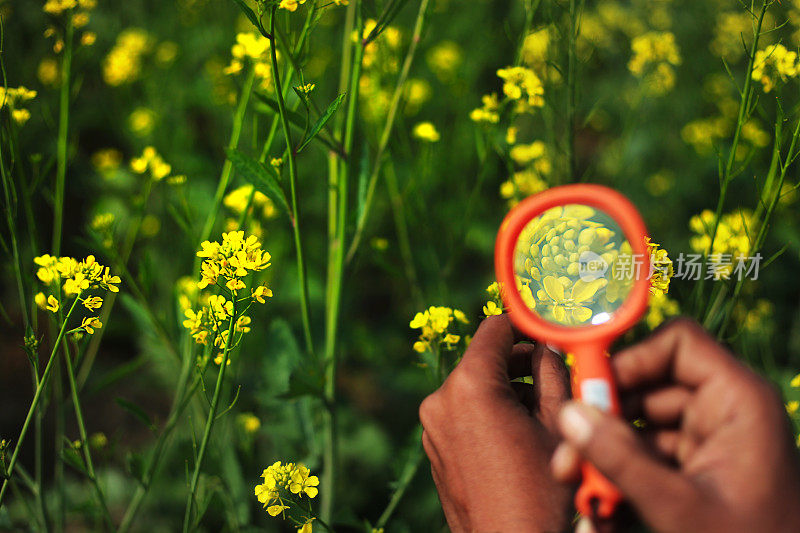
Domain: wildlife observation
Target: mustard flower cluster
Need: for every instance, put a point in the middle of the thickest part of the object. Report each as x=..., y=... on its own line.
x=662, y=269
x=14, y=98
x=254, y=49
x=66, y=278
x=523, y=86
x=287, y=490
x=151, y=161
x=702, y=134
x=654, y=56
x=123, y=64
x=436, y=325
x=494, y=306
x=548, y=269
x=731, y=244
x=775, y=64
x=226, y=265
x=79, y=11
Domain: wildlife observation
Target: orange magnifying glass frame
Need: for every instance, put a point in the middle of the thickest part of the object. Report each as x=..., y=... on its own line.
x=592, y=378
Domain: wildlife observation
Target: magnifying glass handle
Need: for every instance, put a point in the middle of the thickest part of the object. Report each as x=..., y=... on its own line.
x=593, y=383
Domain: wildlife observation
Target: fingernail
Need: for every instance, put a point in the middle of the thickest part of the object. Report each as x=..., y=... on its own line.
x=553, y=349
x=575, y=424
x=562, y=459
x=584, y=525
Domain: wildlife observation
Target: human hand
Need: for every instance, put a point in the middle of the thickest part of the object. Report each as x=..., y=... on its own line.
x=490, y=440
x=717, y=454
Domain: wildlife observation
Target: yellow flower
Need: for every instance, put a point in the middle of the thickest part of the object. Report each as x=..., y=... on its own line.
x=654, y=55
x=795, y=383
x=774, y=64
x=52, y=304
x=56, y=7
x=491, y=308
x=260, y=293
x=21, y=116
x=249, y=422
x=306, y=527
x=522, y=154
x=150, y=159
x=523, y=85
x=570, y=309
x=90, y=323
x=88, y=38
x=275, y=510
x=792, y=407
x=427, y=132
x=107, y=160
x=435, y=323
x=123, y=64
x=301, y=481
x=142, y=121
x=489, y=112
x=48, y=71
x=307, y=88
x=444, y=59
x=290, y=5
x=93, y=302
x=662, y=268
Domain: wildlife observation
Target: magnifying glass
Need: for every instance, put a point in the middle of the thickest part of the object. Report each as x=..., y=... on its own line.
x=573, y=266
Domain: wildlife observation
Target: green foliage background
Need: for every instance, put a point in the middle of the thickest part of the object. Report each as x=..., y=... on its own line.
x=451, y=205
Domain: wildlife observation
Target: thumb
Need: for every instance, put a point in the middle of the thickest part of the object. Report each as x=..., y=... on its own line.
x=659, y=493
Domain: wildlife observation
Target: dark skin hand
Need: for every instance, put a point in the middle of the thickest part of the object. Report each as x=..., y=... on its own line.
x=717, y=454
x=490, y=441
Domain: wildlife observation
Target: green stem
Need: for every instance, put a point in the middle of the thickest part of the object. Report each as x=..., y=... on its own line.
x=227, y=167
x=212, y=415
x=571, y=85
x=401, y=227
x=179, y=403
x=63, y=130
x=87, y=455
x=301, y=266
x=108, y=304
x=407, y=475
x=35, y=403
x=387, y=129
x=744, y=112
x=23, y=304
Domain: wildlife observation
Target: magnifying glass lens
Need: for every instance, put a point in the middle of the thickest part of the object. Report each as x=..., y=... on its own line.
x=573, y=266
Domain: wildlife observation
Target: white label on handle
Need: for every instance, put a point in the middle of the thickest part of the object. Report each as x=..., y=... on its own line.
x=596, y=392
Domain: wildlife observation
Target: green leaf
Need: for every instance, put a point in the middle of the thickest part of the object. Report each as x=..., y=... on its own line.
x=134, y=464
x=263, y=178
x=73, y=459
x=323, y=119
x=136, y=411
x=250, y=15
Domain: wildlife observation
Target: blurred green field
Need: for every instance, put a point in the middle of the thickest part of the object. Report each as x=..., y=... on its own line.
x=142, y=128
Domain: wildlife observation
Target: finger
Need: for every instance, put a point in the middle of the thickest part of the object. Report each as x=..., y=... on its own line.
x=566, y=463
x=681, y=352
x=659, y=406
x=664, y=441
x=521, y=363
x=658, y=492
x=490, y=351
x=551, y=382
